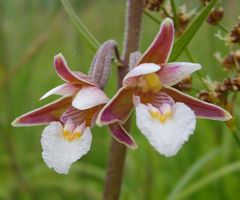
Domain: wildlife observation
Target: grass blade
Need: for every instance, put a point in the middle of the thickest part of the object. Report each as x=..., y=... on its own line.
x=184, y=40
x=191, y=172
x=230, y=168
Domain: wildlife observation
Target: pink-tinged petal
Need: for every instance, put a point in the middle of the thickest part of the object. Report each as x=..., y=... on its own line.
x=201, y=109
x=84, y=78
x=66, y=89
x=118, y=109
x=66, y=74
x=141, y=69
x=89, y=97
x=161, y=47
x=172, y=73
x=155, y=99
x=122, y=136
x=43, y=115
x=76, y=116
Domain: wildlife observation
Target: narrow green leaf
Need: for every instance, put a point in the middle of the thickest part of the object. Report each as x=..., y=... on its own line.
x=175, y=17
x=187, y=177
x=82, y=29
x=230, y=168
x=184, y=40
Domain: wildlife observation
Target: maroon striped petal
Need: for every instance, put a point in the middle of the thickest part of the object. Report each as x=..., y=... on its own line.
x=200, y=108
x=160, y=98
x=44, y=115
x=75, y=115
x=121, y=135
x=172, y=73
x=118, y=109
x=161, y=47
x=66, y=74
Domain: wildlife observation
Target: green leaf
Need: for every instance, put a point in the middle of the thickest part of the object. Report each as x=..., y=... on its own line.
x=184, y=40
x=191, y=172
x=82, y=29
x=230, y=168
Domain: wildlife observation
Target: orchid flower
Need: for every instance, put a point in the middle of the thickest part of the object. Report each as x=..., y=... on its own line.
x=164, y=115
x=68, y=136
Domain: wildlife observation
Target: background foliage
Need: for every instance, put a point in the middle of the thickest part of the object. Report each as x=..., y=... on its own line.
x=31, y=33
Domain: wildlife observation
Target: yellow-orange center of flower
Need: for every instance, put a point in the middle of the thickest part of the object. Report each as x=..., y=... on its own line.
x=149, y=82
x=161, y=117
x=70, y=136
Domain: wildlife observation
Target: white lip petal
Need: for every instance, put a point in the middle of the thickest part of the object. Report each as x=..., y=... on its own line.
x=167, y=137
x=89, y=97
x=59, y=153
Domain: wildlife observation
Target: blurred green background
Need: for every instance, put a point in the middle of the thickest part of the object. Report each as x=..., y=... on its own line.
x=31, y=33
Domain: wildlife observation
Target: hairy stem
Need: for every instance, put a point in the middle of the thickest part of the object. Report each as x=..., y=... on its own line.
x=118, y=151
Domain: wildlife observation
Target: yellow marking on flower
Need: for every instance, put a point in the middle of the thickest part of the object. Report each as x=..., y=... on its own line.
x=70, y=136
x=155, y=114
x=150, y=82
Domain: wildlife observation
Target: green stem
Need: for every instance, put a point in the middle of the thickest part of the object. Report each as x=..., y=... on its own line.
x=222, y=28
x=174, y=9
x=83, y=30
x=191, y=59
x=150, y=16
x=233, y=129
x=165, y=11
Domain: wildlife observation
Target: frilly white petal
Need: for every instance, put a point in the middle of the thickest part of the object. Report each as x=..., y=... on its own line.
x=58, y=153
x=167, y=137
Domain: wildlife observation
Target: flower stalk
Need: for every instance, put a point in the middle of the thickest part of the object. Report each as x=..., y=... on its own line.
x=118, y=151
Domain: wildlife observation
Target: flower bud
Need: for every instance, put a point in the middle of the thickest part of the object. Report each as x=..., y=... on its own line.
x=101, y=64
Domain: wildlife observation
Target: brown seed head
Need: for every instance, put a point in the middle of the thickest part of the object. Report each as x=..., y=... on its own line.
x=184, y=18
x=205, y=2
x=153, y=5
x=235, y=34
x=215, y=16
x=232, y=60
x=185, y=84
x=205, y=96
